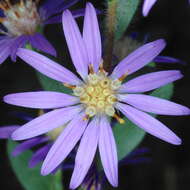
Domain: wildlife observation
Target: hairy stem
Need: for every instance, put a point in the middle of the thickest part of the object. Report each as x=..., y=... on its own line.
x=110, y=33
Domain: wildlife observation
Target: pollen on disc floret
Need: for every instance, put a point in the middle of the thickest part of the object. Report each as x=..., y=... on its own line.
x=21, y=17
x=98, y=93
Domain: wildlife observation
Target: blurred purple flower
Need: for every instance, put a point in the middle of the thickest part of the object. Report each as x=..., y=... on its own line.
x=95, y=97
x=148, y=4
x=39, y=155
x=45, y=141
x=21, y=21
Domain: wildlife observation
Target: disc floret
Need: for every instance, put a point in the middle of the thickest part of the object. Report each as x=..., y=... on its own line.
x=20, y=18
x=98, y=93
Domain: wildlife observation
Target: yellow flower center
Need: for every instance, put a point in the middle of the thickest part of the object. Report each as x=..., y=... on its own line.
x=20, y=18
x=98, y=94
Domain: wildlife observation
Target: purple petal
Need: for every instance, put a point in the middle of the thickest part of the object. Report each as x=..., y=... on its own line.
x=91, y=36
x=54, y=20
x=154, y=104
x=139, y=58
x=6, y=131
x=150, y=81
x=148, y=4
x=46, y=122
x=4, y=37
x=78, y=13
x=87, y=147
x=41, y=99
x=39, y=42
x=39, y=156
x=108, y=152
x=64, y=144
x=65, y=5
x=28, y=144
x=141, y=160
x=49, y=4
x=149, y=124
x=2, y=13
x=58, y=18
x=50, y=8
x=48, y=67
x=167, y=59
x=5, y=49
x=18, y=42
x=75, y=44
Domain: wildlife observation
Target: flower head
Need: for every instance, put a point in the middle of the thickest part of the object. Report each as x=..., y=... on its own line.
x=20, y=18
x=96, y=96
x=148, y=4
x=98, y=93
x=21, y=22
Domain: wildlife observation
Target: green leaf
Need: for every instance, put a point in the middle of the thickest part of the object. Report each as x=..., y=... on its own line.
x=52, y=85
x=128, y=136
x=165, y=92
x=58, y=181
x=29, y=178
x=125, y=12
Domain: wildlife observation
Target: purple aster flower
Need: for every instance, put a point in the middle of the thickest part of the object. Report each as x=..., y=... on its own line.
x=96, y=97
x=21, y=21
x=148, y=4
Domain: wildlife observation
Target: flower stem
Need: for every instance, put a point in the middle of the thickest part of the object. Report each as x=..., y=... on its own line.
x=110, y=33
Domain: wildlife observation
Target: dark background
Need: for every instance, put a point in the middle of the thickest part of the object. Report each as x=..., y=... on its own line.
x=170, y=166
